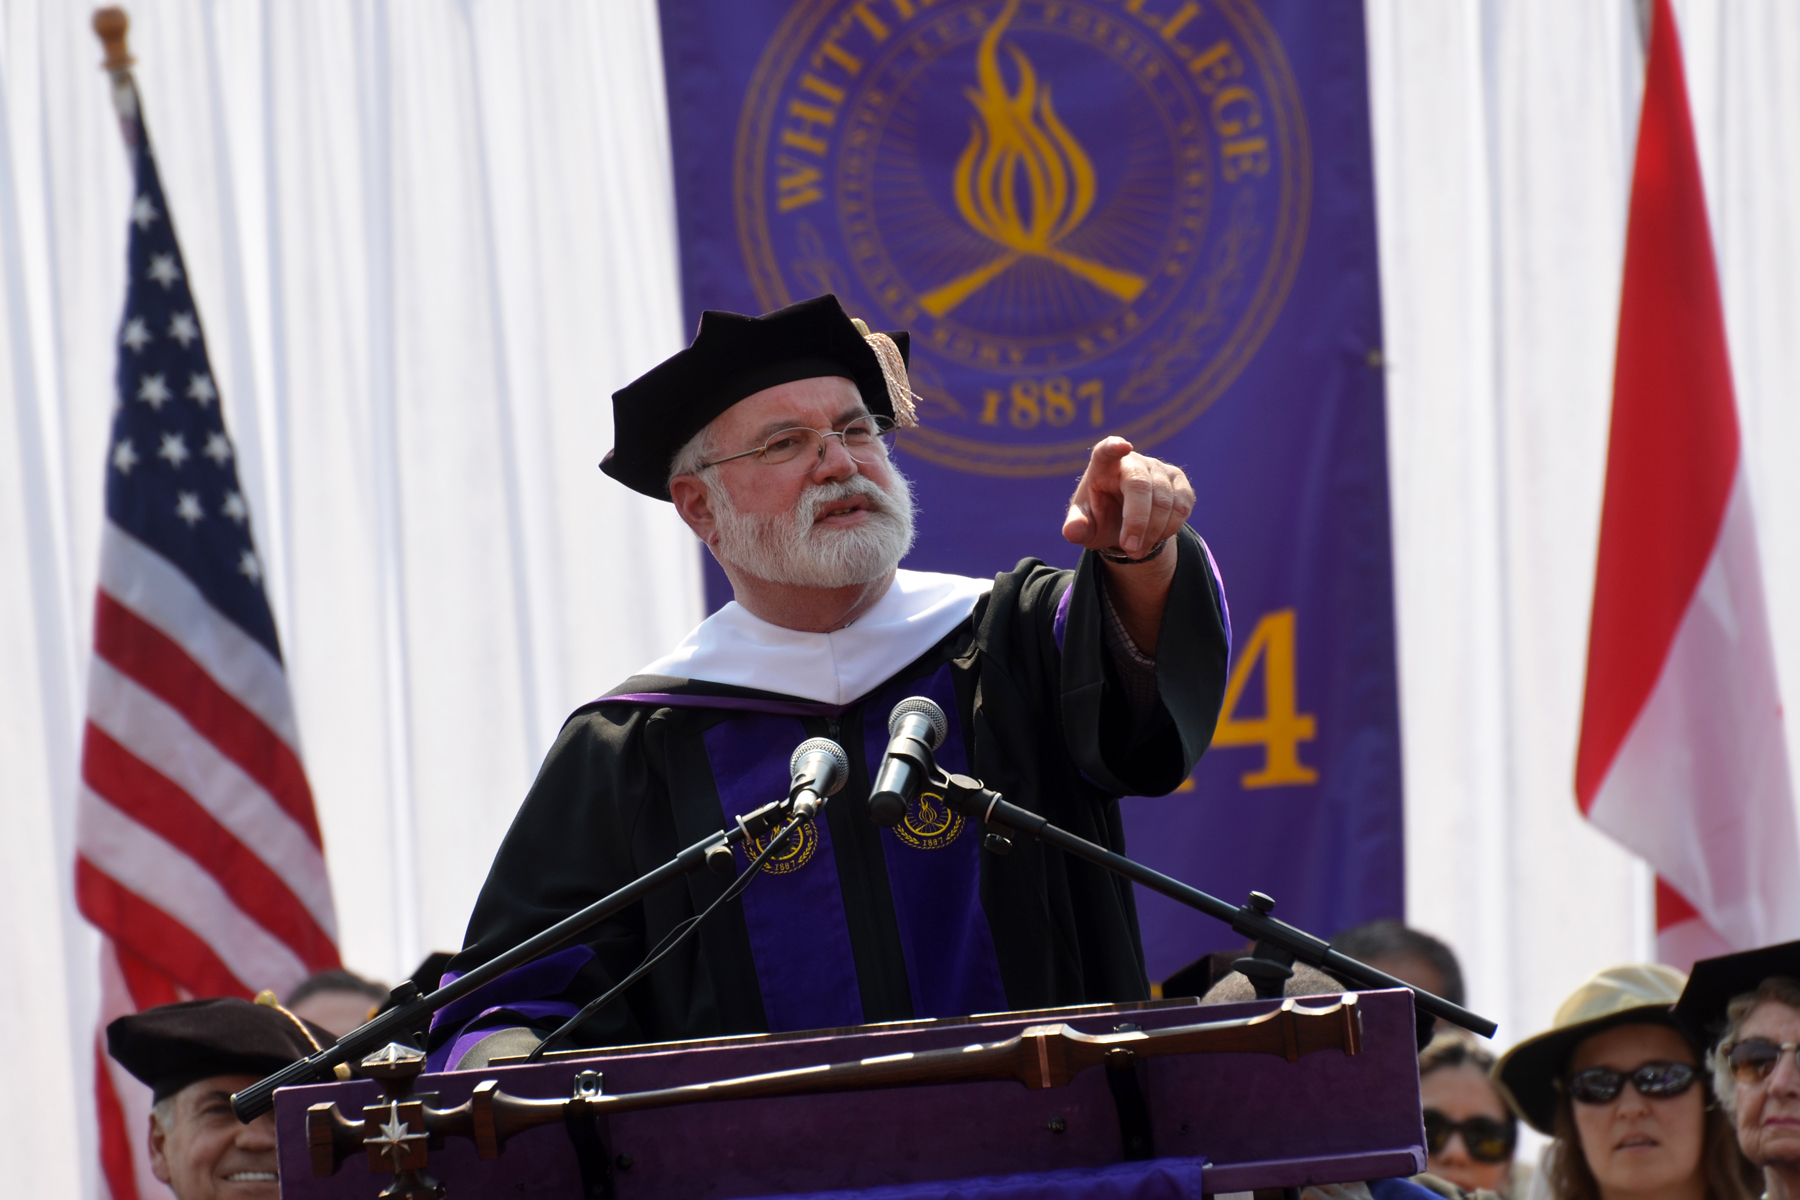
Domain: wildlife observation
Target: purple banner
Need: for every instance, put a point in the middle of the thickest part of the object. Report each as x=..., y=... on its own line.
x=1153, y=218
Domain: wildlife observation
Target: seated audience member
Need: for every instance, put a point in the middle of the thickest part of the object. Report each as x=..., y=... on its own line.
x=1405, y=953
x=336, y=1000
x=193, y=1056
x=1620, y=1087
x=1310, y=981
x=1197, y=978
x=1470, y=1133
x=1747, y=1006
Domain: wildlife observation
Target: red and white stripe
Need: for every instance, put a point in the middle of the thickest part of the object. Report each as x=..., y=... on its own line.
x=198, y=850
x=1683, y=757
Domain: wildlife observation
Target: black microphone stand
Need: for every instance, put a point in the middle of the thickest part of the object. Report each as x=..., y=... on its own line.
x=1278, y=944
x=409, y=1008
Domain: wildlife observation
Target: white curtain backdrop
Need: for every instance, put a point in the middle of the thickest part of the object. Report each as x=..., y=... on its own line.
x=428, y=240
x=1504, y=138
x=429, y=237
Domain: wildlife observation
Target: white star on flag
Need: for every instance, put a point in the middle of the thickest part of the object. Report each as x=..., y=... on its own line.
x=137, y=335
x=164, y=270
x=188, y=678
x=184, y=329
x=173, y=449
x=152, y=390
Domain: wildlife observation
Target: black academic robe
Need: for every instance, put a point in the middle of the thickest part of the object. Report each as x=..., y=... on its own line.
x=1037, y=714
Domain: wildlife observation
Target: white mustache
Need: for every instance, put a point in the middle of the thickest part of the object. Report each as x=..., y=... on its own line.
x=792, y=547
x=823, y=495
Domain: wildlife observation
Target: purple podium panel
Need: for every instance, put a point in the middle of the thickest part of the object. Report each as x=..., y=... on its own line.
x=1249, y=1120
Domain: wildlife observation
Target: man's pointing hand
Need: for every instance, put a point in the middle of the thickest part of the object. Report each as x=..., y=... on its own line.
x=1126, y=501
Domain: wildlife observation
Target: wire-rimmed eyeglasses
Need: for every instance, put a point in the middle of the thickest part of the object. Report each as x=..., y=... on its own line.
x=865, y=439
x=1753, y=1059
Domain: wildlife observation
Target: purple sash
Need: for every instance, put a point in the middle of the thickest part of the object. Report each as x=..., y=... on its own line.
x=794, y=911
x=934, y=869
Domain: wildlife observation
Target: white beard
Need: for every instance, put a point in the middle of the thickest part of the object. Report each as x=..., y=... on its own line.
x=791, y=548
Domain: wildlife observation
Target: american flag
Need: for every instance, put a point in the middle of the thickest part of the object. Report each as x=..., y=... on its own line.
x=198, y=851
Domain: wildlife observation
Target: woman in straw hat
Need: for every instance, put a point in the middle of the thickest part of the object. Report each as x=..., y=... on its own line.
x=1620, y=1087
x=1747, y=1006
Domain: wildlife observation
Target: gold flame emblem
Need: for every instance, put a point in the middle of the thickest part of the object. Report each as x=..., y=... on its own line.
x=929, y=824
x=1023, y=181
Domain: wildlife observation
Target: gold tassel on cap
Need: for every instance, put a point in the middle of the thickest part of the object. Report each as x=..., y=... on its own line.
x=268, y=999
x=893, y=370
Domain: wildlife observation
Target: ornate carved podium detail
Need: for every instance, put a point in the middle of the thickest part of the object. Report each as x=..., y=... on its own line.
x=394, y=1132
x=397, y=1134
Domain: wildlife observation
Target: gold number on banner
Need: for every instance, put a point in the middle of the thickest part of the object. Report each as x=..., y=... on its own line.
x=1054, y=400
x=1094, y=391
x=1281, y=728
x=1025, y=411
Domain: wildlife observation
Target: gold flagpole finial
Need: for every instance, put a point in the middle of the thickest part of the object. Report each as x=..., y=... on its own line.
x=111, y=26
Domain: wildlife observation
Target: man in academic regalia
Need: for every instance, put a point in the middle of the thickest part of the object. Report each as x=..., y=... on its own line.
x=1064, y=691
x=193, y=1056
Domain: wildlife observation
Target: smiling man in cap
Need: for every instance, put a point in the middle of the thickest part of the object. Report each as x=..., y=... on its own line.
x=193, y=1056
x=1064, y=690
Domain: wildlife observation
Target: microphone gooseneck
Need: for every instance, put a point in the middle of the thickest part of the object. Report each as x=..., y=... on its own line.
x=916, y=727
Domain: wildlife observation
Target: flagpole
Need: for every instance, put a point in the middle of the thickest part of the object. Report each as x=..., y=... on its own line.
x=111, y=26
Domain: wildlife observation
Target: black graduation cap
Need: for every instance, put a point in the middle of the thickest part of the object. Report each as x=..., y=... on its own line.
x=1715, y=982
x=734, y=356
x=173, y=1045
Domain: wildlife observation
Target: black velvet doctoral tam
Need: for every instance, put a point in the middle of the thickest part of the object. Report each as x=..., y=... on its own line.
x=173, y=1045
x=734, y=356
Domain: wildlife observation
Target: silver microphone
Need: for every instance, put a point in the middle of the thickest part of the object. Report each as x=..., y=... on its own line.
x=914, y=720
x=819, y=768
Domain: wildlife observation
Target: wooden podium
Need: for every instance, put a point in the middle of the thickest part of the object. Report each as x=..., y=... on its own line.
x=1243, y=1120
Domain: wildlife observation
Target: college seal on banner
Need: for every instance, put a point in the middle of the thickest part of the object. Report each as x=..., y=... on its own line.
x=1088, y=212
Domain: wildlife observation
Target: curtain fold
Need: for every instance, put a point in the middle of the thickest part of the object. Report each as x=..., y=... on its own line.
x=1504, y=134
x=427, y=240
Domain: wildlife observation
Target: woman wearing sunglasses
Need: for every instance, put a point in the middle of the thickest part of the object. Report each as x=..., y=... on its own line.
x=1747, y=1006
x=1620, y=1087
x=1469, y=1132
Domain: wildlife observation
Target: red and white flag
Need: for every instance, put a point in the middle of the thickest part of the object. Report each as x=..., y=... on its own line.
x=1682, y=756
x=198, y=851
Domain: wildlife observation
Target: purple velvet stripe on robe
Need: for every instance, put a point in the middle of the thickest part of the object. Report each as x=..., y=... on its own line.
x=799, y=936
x=1059, y=624
x=519, y=990
x=1157, y=1179
x=934, y=872
x=1219, y=583
x=446, y=1057
x=788, y=708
